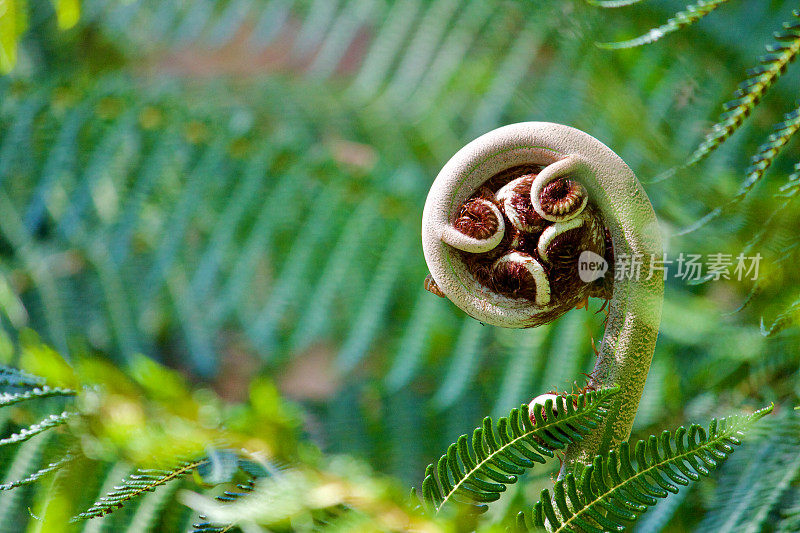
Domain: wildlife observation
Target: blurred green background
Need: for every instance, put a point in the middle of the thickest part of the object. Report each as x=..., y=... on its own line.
x=235, y=189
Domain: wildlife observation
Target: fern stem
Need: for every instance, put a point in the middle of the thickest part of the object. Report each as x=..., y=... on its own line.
x=634, y=311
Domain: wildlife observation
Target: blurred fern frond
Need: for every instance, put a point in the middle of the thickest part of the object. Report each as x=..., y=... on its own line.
x=49, y=422
x=761, y=161
x=143, y=154
x=756, y=480
x=227, y=496
x=611, y=493
x=135, y=485
x=613, y=3
x=749, y=94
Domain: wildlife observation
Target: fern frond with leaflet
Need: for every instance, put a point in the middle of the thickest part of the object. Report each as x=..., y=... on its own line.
x=477, y=472
x=612, y=493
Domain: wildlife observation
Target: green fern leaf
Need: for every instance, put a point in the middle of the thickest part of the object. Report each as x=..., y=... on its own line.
x=612, y=3
x=751, y=90
x=782, y=321
x=792, y=186
x=753, y=483
x=34, y=429
x=9, y=398
x=681, y=20
x=17, y=378
x=612, y=492
x=135, y=485
x=476, y=473
x=767, y=153
x=26, y=458
x=789, y=192
x=32, y=478
x=790, y=518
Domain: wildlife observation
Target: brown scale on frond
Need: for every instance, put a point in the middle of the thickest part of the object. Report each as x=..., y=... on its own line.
x=562, y=197
x=477, y=219
x=431, y=286
x=514, y=280
x=521, y=203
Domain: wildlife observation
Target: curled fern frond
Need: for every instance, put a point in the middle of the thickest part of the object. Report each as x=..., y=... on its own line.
x=477, y=472
x=39, y=427
x=767, y=153
x=135, y=485
x=52, y=467
x=681, y=20
x=613, y=491
x=751, y=90
x=8, y=398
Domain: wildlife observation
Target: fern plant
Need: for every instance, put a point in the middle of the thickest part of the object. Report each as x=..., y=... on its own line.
x=609, y=494
x=476, y=472
x=612, y=493
x=120, y=236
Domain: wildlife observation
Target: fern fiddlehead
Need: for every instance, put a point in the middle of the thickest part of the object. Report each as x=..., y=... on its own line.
x=510, y=228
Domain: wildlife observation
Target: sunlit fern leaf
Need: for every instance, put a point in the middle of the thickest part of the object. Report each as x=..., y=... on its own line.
x=767, y=153
x=227, y=496
x=753, y=483
x=749, y=93
x=792, y=186
x=36, y=476
x=18, y=378
x=26, y=459
x=10, y=398
x=612, y=3
x=151, y=508
x=476, y=472
x=682, y=19
x=785, y=319
x=291, y=496
x=135, y=485
x=106, y=483
x=34, y=429
x=612, y=493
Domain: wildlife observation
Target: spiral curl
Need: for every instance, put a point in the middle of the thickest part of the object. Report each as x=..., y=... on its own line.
x=535, y=258
x=573, y=195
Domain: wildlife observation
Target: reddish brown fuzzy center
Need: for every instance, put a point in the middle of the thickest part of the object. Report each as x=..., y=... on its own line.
x=562, y=196
x=523, y=232
x=477, y=219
